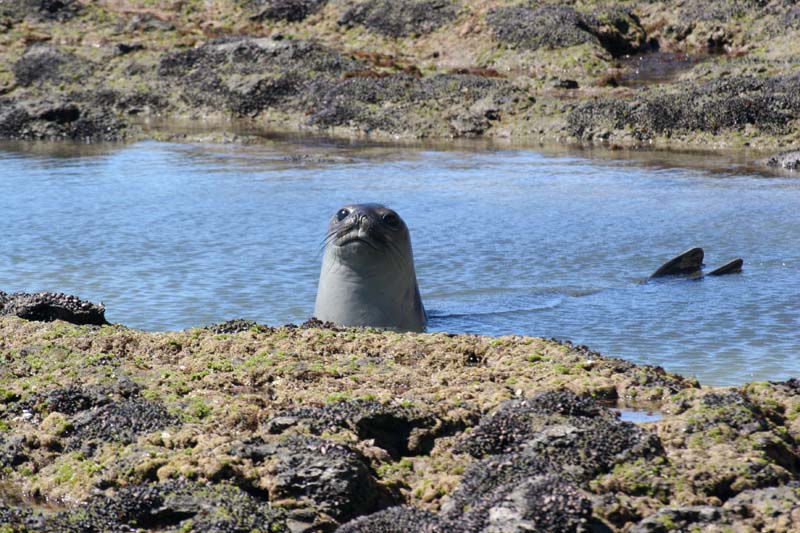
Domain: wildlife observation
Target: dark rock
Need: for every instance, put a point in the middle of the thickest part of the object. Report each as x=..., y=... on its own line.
x=125, y=49
x=407, y=101
x=785, y=160
x=288, y=10
x=46, y=10
x=246, y=75
x=333, y=477
x=566, y=84
x=47, y=306
x=45, y=64
x=731, y=409
x=770, y=104
x=546, y=27
x=232, y=326
x=399, y=430
x=177, y=505
x=680, y=519
x=558, y=26
x=684, y=264
x=398, y=520
x=121, y=421
x=12, y=451
x=400, y=18
x=732, y=267
x=564, y=430
x=721, y=10
x=516, y=492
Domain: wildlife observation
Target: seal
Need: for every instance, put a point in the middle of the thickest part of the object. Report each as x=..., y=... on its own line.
x=367, y=277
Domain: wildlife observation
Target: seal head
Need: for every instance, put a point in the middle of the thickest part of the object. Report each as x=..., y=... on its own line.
x=368, y=277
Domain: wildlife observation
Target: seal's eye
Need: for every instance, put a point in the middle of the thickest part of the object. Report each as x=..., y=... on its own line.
x=391, y=220
x=341, y=214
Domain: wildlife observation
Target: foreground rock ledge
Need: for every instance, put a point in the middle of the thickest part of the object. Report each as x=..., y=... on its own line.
x=242, y=427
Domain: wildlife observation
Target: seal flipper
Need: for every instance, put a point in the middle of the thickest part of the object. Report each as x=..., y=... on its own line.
x=733, y=267
x=686, y=264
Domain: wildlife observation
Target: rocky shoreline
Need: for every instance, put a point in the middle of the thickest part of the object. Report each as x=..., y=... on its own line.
x=244, y=427
x=721, y=76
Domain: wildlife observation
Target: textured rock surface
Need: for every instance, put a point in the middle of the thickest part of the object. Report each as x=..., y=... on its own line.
x=47, y=306
x=213, y=429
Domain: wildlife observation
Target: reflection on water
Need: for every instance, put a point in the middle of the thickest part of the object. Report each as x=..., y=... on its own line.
x=507, y=241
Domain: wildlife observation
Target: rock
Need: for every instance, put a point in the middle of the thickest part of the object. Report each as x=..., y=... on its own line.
x=47, y=306
x=288, y=10
x=232, y=326
x=247, y=75
x=41, y=64
x=684, y=264
x=731, y=267
x=557, y=26
x=563, y=430
x=43, y=10
x=185, y=506
x=399, y=430
x=408, y=102
x=400, y=18
x=398, y=520
x=681, y=519
x=785, y=160
x=334, y=478
x=730, y=103
x=516, y=492
x=12, y=452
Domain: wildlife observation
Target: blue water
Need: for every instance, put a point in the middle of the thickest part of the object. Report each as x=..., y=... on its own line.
x=506, y=241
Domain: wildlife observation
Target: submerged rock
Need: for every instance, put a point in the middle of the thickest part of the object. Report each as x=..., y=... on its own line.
x=48, y=306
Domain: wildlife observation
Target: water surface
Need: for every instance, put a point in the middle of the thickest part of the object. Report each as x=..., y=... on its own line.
x=506, y=241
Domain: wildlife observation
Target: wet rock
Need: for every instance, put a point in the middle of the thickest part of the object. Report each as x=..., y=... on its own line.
x=46, y=64
x=400, y=18
x=681, y=519
x=769, y=104
x=175, y=505
x=334, y=478
x=564, y=430
x=786, y=160
x=398, y=520
x=47, y=306
x=247, y=75
x=288, y=10
x=558, y=26
x=399, y=430
x=686, y=263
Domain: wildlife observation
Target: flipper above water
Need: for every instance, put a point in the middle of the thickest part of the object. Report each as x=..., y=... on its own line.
x=687, y=263
x=732, y=267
